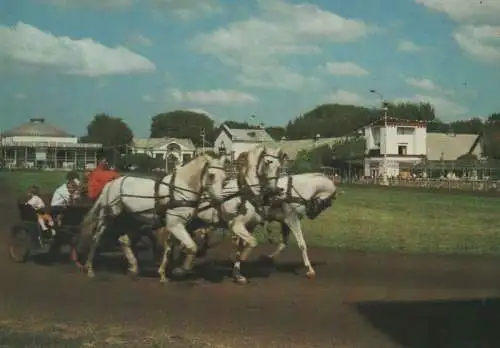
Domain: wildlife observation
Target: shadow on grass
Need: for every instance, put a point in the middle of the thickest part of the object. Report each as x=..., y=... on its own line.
x=443, y=324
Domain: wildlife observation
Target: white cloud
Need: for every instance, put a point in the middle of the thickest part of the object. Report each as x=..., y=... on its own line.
x=93, y=4
x=26, y=45
x=445, y=109
x=184, y=9
x=482, y=42
x=470, y=11
x=189, y=9
x=147, y=98
x=214, y=96
x=409, y=46
x=139, y=39
x=261, y=43
x=426, y=84
x=479, y=20
x=345, y=68
x=342, y=96
x=20, y=96
x=274, y=76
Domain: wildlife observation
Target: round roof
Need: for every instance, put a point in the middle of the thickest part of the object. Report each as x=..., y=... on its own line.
x=37, y=127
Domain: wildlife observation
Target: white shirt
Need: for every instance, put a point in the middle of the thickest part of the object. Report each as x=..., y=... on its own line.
x=36, y=202
x=61, y=196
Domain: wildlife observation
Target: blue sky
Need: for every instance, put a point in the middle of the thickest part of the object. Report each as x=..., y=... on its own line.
x=66, y=60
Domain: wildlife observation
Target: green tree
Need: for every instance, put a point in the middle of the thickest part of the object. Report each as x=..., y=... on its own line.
x=239, y=125
x=183, y=124
x=112, y=132
x=276, y=132
x=491, y=137
x=330, y=120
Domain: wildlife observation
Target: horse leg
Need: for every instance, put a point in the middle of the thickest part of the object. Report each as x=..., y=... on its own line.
x=293, y=223
x=126, y=245
x=250, y=242
x=180, y=232
x=93, y=247
x=285, y=235
x=163, y=238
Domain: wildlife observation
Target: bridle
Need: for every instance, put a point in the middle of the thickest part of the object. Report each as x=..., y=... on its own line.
x=314, y=206
x=245, y=189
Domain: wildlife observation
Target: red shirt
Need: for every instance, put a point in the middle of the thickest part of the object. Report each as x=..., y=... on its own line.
x=97, y=179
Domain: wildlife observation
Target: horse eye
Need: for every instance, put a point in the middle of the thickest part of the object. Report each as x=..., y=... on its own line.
x=211, y=176
x=268, y=162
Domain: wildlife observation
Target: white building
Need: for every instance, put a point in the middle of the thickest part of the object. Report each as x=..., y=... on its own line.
x=235, y=141
x=174, y=151
x=400, y=144
x=37, y=144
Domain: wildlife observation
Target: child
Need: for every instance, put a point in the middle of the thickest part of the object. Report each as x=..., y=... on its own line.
x=39, y=206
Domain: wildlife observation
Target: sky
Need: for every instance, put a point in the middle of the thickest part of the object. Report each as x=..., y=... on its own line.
x=66, y=60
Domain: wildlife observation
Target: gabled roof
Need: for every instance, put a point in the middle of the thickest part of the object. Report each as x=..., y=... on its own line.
x=157, y=143
x=248, y=135
x=448, y=147
x=37, y=127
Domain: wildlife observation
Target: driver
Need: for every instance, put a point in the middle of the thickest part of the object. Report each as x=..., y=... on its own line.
x=99, y=177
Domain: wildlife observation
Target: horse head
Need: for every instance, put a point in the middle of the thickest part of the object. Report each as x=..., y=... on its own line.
x=214, y=177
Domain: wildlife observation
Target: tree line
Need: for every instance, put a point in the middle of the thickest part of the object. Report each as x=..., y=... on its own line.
x=327, y=120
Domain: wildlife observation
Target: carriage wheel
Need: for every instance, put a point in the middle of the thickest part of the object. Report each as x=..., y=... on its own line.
x=19, y=245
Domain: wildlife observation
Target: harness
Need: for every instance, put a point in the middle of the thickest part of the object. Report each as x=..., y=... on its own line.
x=245, y=189
x=160, y=208
x=314, y=206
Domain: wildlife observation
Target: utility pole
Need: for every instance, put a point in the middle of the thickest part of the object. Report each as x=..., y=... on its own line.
x=202, y=140
x=386, y=109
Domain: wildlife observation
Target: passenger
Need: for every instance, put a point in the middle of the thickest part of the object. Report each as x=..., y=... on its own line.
x=75, y=178
x=65, y=195
x=44, y=218
x=99, y=177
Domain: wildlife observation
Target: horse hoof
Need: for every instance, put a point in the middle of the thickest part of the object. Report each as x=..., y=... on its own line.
x=133, y=275
x=90, y=274
x=310, y=274
x=241, y=280
x=164, y=280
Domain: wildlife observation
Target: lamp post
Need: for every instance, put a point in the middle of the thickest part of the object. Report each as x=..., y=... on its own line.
x=386, y=109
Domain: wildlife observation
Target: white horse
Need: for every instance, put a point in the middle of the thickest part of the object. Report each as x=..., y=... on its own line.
x=256, y=182
x=303, y=195
x=173, y=198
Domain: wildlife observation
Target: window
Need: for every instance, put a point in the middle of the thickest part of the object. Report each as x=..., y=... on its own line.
x=402, y=150
x=405, y=130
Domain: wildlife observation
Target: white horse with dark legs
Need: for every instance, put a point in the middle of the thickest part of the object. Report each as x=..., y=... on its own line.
x=173, y=199
x=257, y=181
x=303, y=195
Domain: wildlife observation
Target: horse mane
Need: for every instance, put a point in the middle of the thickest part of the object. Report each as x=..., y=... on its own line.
x=244, y=160
x=190, y=172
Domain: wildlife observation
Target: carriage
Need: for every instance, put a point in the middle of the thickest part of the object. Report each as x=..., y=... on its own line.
x=27, y=238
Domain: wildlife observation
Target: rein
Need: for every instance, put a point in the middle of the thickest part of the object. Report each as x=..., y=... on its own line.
x=172, y=202
x=245, y=189
x=314, y=206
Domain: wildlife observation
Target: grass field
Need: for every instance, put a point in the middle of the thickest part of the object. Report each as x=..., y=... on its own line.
x=378, y=219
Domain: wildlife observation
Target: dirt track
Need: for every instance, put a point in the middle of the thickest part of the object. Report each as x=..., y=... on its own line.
x=357, y=300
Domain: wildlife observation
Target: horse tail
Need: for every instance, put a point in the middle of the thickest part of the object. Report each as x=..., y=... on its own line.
x=89, y=224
